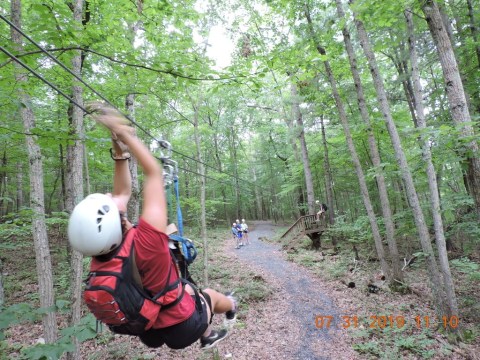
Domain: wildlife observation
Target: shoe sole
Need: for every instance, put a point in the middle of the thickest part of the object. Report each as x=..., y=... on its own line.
x=206, y=347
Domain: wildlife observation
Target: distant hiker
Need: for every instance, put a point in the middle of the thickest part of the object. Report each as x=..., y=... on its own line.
x=322, y=211
x=245, y=232
x=98, y=227
x=239, y=232
x=235, y=235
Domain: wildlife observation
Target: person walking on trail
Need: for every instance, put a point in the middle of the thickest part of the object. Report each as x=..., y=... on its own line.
x=245, y=232
x=188, y=312
x=235, y=235
x=239, y=232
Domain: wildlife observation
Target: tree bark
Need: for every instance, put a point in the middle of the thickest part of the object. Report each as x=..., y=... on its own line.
x=374, y=154
x=2, y=291
x=456, y=97
x=203, y=215
x=3, y=184
x=328, y=180
x=432, y=178
x=353, y=152
x=39, y=229
x=436, y=284
x=134, y=203
x=19, y=186
x=474, y=29
x=297, y=117
x=75, y=156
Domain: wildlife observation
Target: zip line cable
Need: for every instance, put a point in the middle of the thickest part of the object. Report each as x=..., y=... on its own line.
x=101, y=96
x=163, y=143
x=81, y=107
x=8, y=53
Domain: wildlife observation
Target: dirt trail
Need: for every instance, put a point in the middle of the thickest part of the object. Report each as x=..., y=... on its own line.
x=305, y=295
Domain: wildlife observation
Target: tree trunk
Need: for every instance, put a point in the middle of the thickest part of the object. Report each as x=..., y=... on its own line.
x=374, y=153
x=39, y=229
x=328, y=181
x=19, y=186
x=75, y=156
x=220, y=166
x=63, y=195
x=2, y=291
x=258, y=198
x=436, y=284
x=474, y=29
x=297, y=117
x=233, y=154
x=134, y=203
x=203, y=215
x=353, y=152
x=432, y=178
x=456, y=97
x=3, y=184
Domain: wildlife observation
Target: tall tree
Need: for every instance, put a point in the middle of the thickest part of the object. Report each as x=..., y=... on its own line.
x=436, y=284
x=39, y=228
x=298, y=119
x=351, y=147
x=374, y=152
x=432, y=176
x=134, y=203
x=201, y=171
x=456, y=97
x=75, y=157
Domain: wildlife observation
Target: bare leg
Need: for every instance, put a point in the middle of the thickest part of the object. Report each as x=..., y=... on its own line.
x=220, y=304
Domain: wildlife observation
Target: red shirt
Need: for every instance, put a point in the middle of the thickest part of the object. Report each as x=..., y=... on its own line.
x=153, y=260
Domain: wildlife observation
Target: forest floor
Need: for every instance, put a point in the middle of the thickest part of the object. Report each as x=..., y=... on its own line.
x=292, y=311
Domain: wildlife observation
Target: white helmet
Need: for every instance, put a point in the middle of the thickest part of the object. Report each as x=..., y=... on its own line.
x=94, y=227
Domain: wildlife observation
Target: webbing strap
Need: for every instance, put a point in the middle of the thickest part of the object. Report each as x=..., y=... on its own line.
x=135, y=273
x=179, y=209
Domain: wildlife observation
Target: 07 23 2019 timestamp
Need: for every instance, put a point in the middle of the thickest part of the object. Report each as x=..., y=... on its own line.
x=384, y=321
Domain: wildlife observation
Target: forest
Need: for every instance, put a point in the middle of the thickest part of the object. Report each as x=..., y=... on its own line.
x=260, y=110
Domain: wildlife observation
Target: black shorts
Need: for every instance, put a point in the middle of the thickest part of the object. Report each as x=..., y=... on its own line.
x=245, y=231
x=181, y=335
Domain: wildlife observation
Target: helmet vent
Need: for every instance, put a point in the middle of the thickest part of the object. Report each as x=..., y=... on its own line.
x=100, y=212
x=106, y=208
x=100, y=228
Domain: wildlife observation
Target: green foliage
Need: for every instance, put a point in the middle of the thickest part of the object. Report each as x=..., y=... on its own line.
x=23, y=312
x=16, y=224
x=468, y=267
x=399, y=343
x=357, y=232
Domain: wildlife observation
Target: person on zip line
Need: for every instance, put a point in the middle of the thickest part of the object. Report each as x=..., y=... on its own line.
x=189, y=319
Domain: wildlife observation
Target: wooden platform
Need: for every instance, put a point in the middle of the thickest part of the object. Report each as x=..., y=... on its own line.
x=307, y=225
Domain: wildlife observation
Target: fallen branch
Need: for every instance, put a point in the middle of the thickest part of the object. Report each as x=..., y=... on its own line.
x=409, y=262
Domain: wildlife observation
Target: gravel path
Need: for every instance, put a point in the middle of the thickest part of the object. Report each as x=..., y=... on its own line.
x=305, y=295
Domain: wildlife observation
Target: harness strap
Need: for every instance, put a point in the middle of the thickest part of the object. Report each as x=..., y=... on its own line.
x=179, y=209
x=136, y=274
